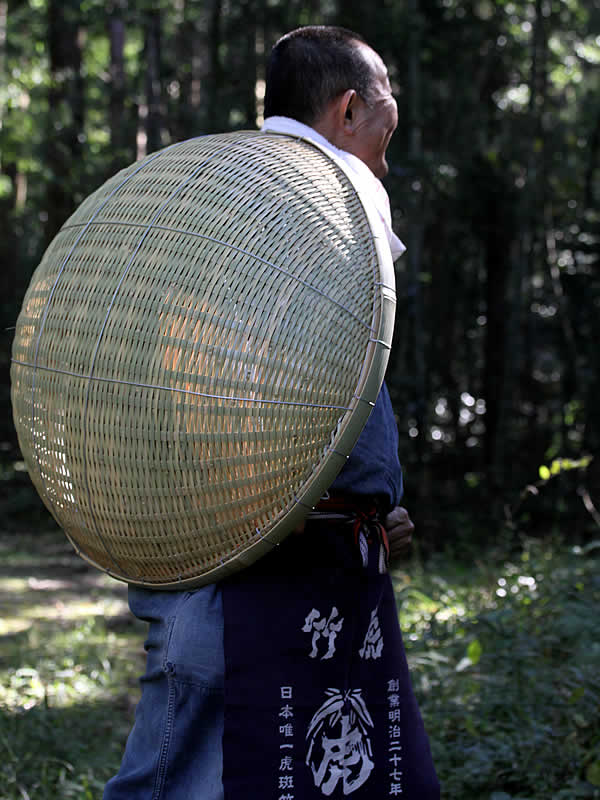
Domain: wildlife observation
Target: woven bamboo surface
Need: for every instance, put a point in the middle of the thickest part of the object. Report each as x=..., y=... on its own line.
x=197, y=354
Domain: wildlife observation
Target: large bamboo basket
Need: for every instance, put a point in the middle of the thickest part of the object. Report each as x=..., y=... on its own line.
x=198, y=352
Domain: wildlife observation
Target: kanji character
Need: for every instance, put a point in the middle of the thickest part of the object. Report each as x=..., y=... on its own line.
x=286, y=764
x=339, y=745
x=322, y=627
x=373, y=643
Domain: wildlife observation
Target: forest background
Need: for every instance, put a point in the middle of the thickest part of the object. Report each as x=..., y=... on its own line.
x=494, y=184
x=494, y=374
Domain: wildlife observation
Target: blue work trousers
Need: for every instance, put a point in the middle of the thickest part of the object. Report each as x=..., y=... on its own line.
x=175, y=747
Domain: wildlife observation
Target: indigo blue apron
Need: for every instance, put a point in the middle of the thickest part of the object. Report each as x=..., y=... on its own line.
x=318, y=699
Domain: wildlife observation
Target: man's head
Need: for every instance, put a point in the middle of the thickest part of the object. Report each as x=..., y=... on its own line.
x=329, y=78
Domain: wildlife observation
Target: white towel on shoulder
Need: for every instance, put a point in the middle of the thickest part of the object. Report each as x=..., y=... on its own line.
x=367, y=185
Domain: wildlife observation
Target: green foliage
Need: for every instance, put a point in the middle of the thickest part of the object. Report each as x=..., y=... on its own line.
x=506, y=661
x=504, y=656
x=559, y=465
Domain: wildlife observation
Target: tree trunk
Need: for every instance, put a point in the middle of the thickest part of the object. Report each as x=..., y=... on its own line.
x=496, y=244
x=154, y=108
x=251, y=21
x=119, y=127
x=66, y=113
x=215, y=113
x=415, y=231
x=192, y=66
x=3, y=22
x=592, y=165
x=8, y=239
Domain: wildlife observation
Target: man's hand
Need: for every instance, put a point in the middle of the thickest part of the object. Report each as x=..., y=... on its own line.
x=399, y=527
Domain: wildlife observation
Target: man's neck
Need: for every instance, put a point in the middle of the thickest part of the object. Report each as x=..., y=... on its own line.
x=317, y=133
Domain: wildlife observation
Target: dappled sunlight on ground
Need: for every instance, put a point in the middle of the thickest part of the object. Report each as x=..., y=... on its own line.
x=71, y=608
x=66, y=633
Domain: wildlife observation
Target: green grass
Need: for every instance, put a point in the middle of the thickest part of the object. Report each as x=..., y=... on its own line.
x=69, y=660
x=505, y=658
x=504, y=653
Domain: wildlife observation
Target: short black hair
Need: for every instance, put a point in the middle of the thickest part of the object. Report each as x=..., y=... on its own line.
x=311, y=66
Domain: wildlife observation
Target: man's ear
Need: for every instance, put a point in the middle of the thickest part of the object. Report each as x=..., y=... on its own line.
x=347, y=105
x=339, y=119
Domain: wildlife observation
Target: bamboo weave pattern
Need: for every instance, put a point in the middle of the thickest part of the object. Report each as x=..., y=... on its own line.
x=196, y=355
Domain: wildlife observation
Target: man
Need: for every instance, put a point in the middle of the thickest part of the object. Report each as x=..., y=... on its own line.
x=289, y=680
